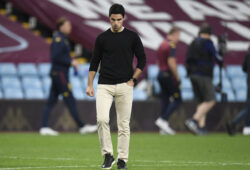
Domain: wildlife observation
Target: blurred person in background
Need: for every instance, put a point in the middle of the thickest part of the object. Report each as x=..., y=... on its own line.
x=200, y=58
x=169, y=80
x=61, y=62
x=245, y=113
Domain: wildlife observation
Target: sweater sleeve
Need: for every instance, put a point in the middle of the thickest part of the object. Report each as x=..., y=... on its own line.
x=140, y=54
x=212, y=50
x=96, y=58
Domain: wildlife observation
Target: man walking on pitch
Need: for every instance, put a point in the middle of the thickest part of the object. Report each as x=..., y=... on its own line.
x=61, y=61
x=169, y=80
x=245, y=113
x=114, y=50
x=201, y=55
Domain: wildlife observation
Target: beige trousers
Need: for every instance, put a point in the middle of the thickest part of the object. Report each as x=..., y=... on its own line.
x=123, y=94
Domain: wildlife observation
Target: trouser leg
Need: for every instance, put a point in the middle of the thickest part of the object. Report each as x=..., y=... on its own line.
x=104, y=99
x=71, y=104
x=123, y=103
x=52, y=100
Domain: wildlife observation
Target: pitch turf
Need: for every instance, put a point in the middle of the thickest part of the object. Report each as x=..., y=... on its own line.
x=148, y=151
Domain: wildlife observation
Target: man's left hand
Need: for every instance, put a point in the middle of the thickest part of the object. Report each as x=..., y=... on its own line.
x=75, y=64
x=131, y=83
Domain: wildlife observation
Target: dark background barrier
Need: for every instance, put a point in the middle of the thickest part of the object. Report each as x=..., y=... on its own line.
x=26, y=115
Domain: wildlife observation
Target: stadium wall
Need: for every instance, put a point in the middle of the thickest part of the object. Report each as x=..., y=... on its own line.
x=26, y=115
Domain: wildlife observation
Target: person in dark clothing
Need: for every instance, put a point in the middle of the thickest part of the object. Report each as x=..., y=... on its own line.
x=114, y=51
x=61, y=61
x=200, y=59
x=169, y=80
x=245, y=113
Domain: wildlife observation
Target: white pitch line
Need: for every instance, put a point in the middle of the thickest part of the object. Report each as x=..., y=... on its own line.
x=54, y=167
x=156, y=163
x=59, y=159
x=193, y=162
x=95, y=166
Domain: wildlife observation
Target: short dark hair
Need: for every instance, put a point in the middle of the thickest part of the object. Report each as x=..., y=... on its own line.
x=117, y=9
x=174, y=30
x=60, y=22
x=205, y=28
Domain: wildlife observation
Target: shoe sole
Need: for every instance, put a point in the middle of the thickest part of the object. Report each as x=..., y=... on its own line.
x=161, y=132
x=88, y=131
x=160, y=127
x=190, y=129
x=110, y=166
x=47, y=134
x=165, y=132
x=84, y=133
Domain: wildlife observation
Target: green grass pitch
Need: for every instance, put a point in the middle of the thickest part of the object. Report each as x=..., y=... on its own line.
x=148, y=151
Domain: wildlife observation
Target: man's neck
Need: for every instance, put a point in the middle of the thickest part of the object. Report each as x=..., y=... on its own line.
x=63, y=33
x=205, y=36
x=120, y=30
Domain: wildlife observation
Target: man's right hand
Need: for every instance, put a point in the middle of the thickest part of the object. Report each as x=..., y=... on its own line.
x=75, y=64
x=90, y=91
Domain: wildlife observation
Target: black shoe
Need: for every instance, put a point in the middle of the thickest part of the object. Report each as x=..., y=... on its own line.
x=203, y=131
x=231, y=130
x=192, y=126
x=121, y=164
x=108, y=161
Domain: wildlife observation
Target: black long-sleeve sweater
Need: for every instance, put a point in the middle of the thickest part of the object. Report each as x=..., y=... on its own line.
x=116, y=51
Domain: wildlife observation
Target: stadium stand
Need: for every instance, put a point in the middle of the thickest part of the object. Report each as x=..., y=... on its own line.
x=156, y=87
x=78, y=93
x=29, y=76
x=46, y=81
x=44, y=69
x=10, y=82
x=31, y=82
x=235, y=71
x=139, y=95
x=239, y=83
x=226, y=83
x=7, y=69
x=186, y=84
x=187, y=95
x=13, y=93
x=84, y=70
x=216, y=71
x=33, y=93
x=182, y=71
x=153, y=71
x=27, y=69
x=26, y=76
x=241, y=95
x=76, y=83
